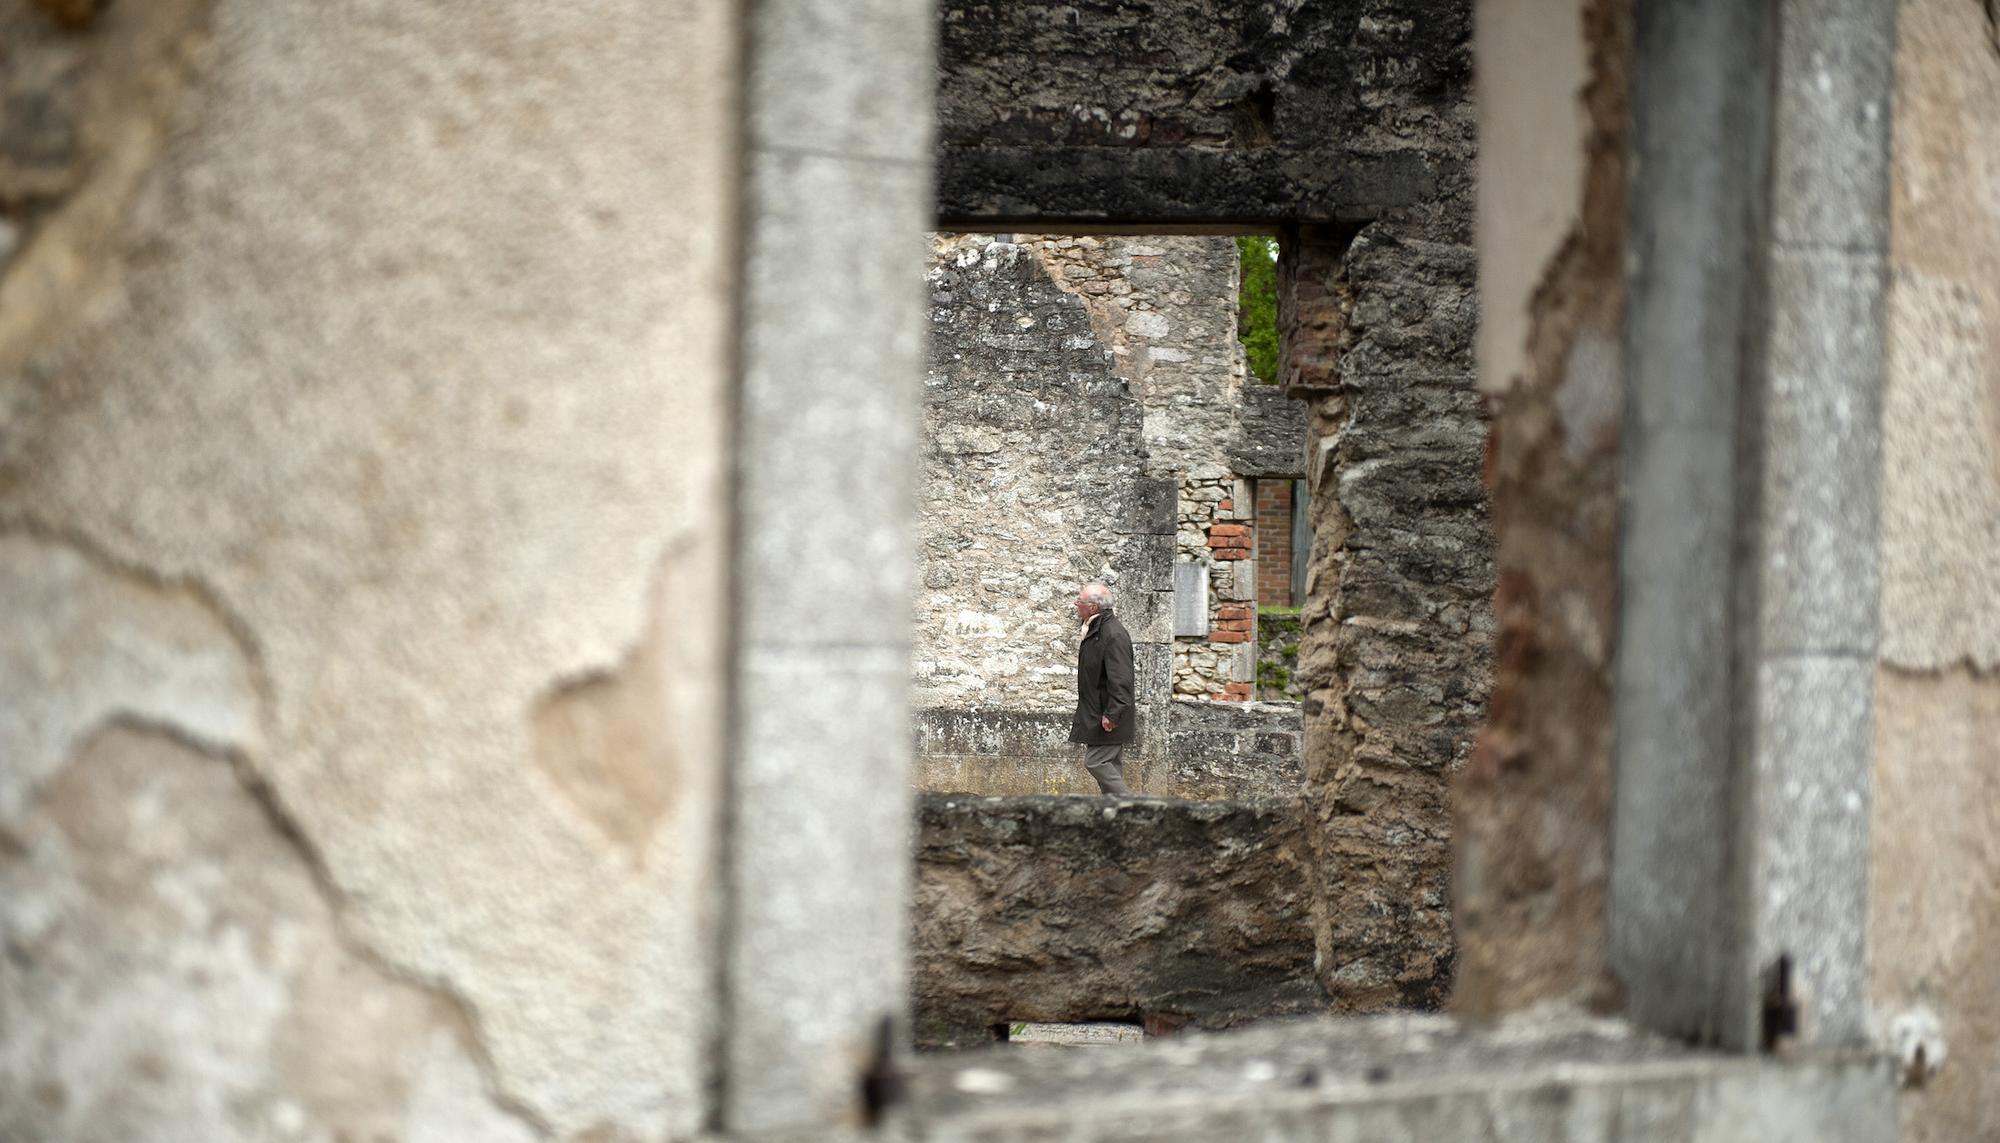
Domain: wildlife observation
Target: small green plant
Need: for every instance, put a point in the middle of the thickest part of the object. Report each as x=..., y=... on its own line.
x=1273, y=676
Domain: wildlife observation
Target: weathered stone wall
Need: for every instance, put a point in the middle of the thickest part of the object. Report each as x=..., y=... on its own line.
x=1349, y=127
x=362, y=385
x=1395, y=655
x=1934, y=948
x=1032, y=486
x=1072, y=381
x=1068, y=909
x=1170, y=114
x=1199, y=750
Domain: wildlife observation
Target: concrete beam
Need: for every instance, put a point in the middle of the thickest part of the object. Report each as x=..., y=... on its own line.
x=1402, y=1080
x=836, y=201
x=1748, y=556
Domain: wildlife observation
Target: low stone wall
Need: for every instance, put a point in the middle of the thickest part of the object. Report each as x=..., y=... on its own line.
x=1010, y=752
x=1209, y=750
x=1069, y=909
x=1233, y=750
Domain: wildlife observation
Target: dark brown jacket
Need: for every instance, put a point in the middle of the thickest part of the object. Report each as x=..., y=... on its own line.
x=1104, y=685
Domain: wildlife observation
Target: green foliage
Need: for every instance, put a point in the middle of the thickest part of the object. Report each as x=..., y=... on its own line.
x=1257, y=304
x=1274, y=609
x=1273, y=675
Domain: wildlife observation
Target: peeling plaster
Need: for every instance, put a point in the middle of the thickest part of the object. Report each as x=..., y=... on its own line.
x=108, y=643
x=174, y=965
x=418, y=495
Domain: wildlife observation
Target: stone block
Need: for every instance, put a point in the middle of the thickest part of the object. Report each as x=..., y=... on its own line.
x=1153, y=672
x=1830, y=146
x=1154, y=505
x=1114, y=909
x=1404, y=1079
x=1243, y=663
x=1191, y=582
x=818, y=416
x=1822, y=454
x=990, y=733
x=1272, y=442
x=1148, y=564
x=1810, y=868
x=807, y=94
x=1148, y=615
x=1241, y=584
x=824, y=734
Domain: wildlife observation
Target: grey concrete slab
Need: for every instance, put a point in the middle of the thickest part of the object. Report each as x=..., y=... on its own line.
x=1743, y=751
x=836, y=199
x=1810, y=863
x=1420, y=1080
x=853, y=79
x=1822, y=441
x=1807, y=723
x=1700, y=115
x=819, y=871
x=832, y=379
x=1830, y=157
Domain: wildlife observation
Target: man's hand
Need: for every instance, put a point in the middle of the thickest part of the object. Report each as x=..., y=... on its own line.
x=1107, y=724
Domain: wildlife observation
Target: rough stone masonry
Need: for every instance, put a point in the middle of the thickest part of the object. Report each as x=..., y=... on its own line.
x=1087, y=417
x=1349, y=129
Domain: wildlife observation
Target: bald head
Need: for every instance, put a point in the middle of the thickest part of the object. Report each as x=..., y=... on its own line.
x=1094, y=597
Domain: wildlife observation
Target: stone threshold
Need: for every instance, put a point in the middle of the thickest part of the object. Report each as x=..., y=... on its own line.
x=1396, y=1079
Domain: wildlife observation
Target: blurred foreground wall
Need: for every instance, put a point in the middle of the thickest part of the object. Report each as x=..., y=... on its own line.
x=1935, y=933
x=361, y=518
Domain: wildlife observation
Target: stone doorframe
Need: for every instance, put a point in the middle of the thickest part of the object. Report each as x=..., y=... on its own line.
x=838, y=142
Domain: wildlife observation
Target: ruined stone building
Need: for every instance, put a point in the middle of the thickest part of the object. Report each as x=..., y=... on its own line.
x=462, y=492
x=1087, y=416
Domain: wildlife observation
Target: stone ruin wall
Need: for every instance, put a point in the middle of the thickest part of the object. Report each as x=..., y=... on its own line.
x=1378, y=313
x=1935, y=898
x=1032, y=453
x=1086, y=418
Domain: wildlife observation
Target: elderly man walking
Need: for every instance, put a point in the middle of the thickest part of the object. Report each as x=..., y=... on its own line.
x=1105, y=722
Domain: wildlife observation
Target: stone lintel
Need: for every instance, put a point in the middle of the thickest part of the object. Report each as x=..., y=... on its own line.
x=1403, y=1078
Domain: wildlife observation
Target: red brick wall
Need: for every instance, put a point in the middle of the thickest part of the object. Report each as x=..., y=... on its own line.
x=1274, y=543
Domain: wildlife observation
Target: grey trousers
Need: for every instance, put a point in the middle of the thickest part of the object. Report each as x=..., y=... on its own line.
x=1105, y=764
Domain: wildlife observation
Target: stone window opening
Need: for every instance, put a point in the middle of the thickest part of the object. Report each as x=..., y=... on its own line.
x=1210, y=522
x=1091, y=412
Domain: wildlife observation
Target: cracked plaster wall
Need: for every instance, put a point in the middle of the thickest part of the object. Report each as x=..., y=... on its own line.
x=1935, y=892
x=361, y=388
